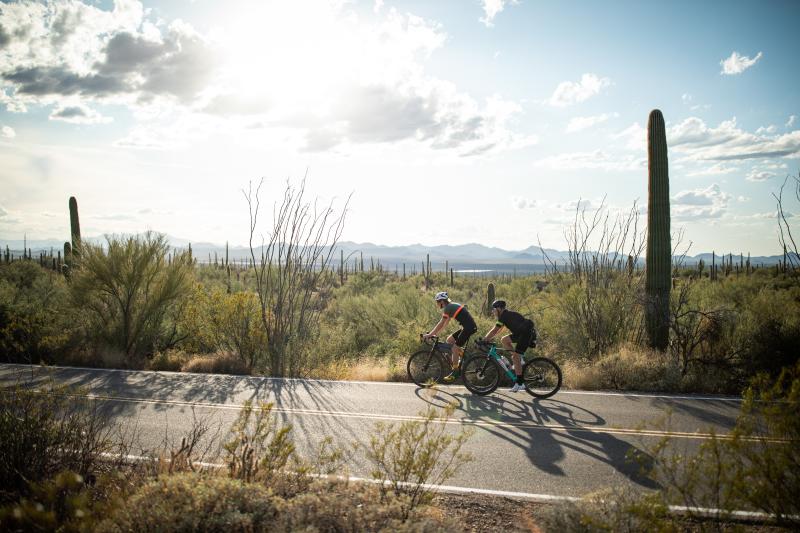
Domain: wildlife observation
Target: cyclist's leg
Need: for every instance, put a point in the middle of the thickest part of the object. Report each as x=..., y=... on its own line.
x=508, y=343
x=455, y=350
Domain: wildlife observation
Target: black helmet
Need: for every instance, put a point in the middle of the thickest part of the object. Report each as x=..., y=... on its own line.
x=499, y=304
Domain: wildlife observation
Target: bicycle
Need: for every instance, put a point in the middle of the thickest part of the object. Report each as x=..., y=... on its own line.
x=428, y=367
x=542, y=376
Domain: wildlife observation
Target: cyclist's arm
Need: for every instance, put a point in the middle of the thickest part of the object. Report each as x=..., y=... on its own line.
x=492, y=332
x=438, y=327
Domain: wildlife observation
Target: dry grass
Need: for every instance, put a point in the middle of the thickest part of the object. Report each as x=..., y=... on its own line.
x=220, y=363
x=170, y=360
x=625, y=368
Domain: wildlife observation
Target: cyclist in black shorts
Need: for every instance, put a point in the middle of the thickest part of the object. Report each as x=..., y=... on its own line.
x=523, y=335
x=458, y=339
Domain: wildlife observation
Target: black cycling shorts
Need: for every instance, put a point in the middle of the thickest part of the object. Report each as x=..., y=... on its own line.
x=522, y=340
x=462, y=336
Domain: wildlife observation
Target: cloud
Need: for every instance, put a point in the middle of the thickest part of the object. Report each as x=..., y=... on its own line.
x=7, y=132
x=597, y=159
x=737, y=64
x=491, y=8
x=693, y=138
x=713, y=170
x=634, y=137
x=686, y=98
x=757, y=175
x=582, y=123
x=791, y=121
x=523, y=203
x=78, y=114
x=770, y=130
x=570, y=92
x=65, y=49
x=698, y=204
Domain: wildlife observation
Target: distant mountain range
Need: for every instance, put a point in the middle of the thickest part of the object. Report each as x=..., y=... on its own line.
x=461, y=257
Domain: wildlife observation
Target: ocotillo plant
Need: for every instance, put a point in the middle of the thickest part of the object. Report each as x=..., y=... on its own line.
x=659, y=246
x=489, y=298
x=75, y=226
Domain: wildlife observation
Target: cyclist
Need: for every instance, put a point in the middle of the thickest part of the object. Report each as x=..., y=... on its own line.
x=523, y=334
x=453, y=310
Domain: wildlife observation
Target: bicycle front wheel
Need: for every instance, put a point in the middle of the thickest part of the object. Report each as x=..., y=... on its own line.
x=481, y=374
x=542, y=377
x=425, y=368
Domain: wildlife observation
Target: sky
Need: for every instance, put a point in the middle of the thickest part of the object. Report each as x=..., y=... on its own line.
x=446, y=122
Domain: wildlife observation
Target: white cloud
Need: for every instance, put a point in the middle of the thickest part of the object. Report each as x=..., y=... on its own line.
x=571, y=92
x=582, y=123
x=523, y=203
x=491, y=8
x=7, y=132
x=597, y=159
x=377, y=6
x=769, y=130
x=634, y=137
x=737, y=64
x=714, y=170
x=791, y=121
x=697, y=204
x=759, y=175
x=78, y=114
x=693, y=138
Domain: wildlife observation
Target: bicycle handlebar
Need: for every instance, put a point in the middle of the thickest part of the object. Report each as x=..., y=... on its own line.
x=431, y=340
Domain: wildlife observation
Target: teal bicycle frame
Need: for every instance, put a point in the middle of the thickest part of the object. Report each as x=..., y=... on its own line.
x=504, y=363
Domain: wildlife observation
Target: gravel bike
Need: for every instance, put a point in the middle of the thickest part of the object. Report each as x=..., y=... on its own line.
x=428, y=367
x=482, y=371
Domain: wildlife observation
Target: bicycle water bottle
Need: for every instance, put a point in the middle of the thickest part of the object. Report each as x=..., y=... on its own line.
x=503, y=362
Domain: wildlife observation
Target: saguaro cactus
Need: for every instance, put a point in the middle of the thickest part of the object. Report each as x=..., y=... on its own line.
x=489, y=298
x=659, y=246
x=75, y=226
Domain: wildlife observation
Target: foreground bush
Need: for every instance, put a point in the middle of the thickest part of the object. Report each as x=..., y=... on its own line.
x=43, y=433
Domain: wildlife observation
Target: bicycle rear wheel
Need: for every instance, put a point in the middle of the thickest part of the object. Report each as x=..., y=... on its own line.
x=481, y=374
x=542, y=377
x=425, y=368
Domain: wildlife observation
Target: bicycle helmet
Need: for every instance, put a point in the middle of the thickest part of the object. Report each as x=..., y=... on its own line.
x=499, y=304
x=441, y=296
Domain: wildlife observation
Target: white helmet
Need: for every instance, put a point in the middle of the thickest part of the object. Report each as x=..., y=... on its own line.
x=441, y=296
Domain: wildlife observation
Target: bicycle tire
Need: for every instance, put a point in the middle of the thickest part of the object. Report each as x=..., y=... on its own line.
x=542, y=377
x=481, y=374
x=425, y=368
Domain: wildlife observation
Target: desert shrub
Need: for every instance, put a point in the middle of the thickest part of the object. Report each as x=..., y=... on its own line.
x=258, y=448
x=621, y=511
x=129, y=295
x=49, y=431
x=343, y=506
x=215, y=321
x=408, y=457
x=61, y=504
x=191, y=502
x=171, y=360
x=34, y=323
x=219, y=363
x=756, y=468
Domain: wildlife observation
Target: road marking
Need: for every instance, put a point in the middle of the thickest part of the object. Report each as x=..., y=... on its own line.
x=167, y=373
x=412, y=418
x=537, y=498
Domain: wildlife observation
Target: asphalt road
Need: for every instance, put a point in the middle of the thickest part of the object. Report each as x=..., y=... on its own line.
x=567, y=446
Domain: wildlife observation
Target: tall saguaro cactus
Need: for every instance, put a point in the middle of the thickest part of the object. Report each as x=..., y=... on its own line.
x=659, y=246
x=75, y=226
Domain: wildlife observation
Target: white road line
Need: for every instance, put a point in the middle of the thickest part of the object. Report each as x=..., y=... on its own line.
x=537, y=498
x=404, y=418
x=381, y=383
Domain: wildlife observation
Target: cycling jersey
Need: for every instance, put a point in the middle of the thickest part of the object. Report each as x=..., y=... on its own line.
x=460, y=313
x=515, y=322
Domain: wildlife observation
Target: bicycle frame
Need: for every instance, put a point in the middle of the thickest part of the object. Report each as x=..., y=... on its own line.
x=504, y=363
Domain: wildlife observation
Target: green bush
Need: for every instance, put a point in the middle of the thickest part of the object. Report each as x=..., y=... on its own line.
x=129, y=294
x=61, y=504
x=34, y=317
